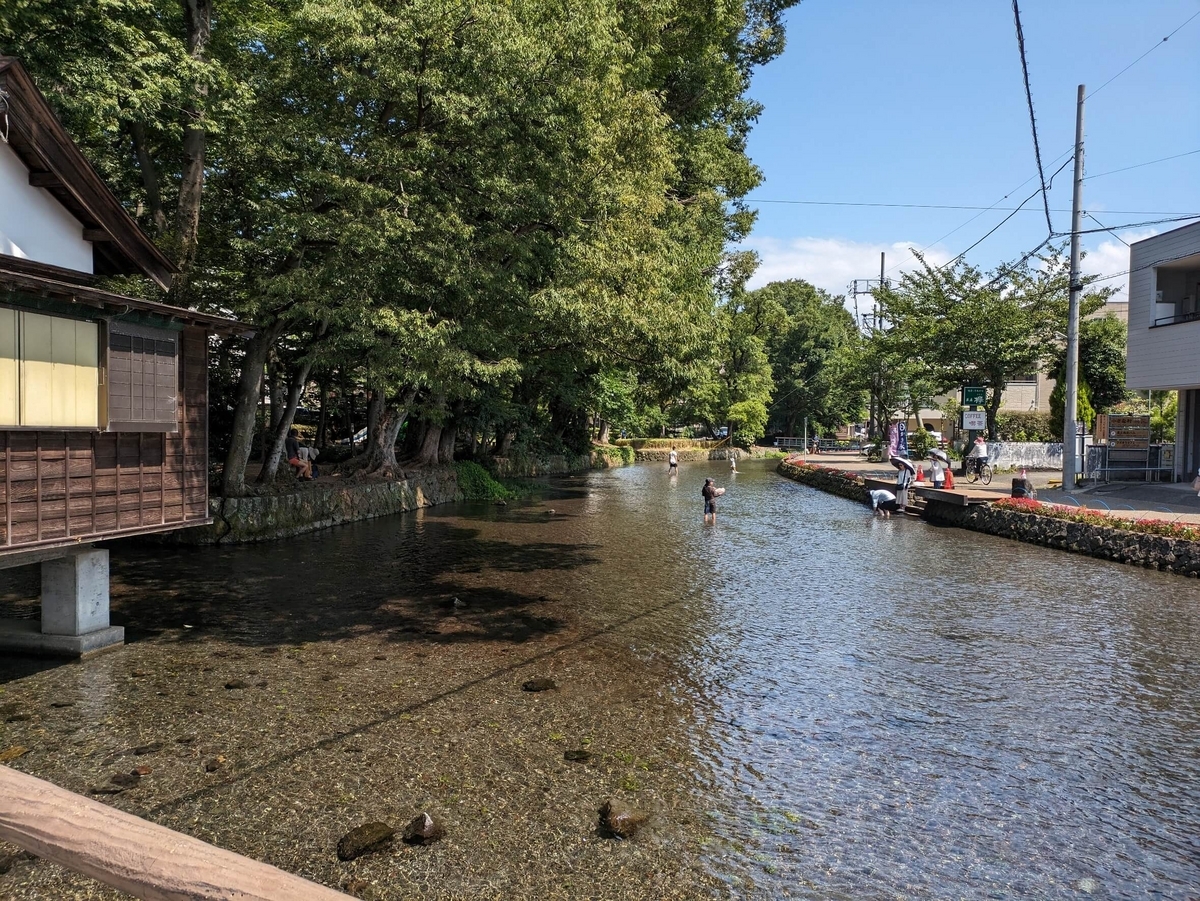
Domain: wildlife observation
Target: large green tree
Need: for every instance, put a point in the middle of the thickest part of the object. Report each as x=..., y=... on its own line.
x=967, y=327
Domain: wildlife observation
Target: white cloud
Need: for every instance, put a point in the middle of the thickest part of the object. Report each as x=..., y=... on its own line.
x=832, y=263
x=1109, y=257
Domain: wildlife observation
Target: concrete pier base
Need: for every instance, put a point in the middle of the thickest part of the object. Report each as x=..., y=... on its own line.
x=75, y=610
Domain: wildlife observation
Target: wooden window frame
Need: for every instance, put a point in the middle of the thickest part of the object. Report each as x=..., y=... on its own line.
x=145, y=333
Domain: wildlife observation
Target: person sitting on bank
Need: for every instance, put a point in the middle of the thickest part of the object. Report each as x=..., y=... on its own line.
x=291, y=449
x=883, y=503
x=308, y=454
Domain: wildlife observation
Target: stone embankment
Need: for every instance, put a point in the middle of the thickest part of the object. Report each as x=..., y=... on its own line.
x=1176, y=555
x=245, y=519
x=835, y=481
x=1166, y=552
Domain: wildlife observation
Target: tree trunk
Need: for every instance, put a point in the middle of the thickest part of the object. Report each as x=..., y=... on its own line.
x=505, y=442
x=323, y=419
x=375, y=405
x=287, y=415
x=150, y=180
x=197, y=16
x=446, y=444
x=602, y=438
x=427, y=454
x=993, y=411
x=233, y=483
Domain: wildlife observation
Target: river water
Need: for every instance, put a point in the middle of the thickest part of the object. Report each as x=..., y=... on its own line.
x=892, y=709
x=866, y=708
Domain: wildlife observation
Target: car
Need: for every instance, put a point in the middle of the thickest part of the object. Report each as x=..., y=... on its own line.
x=722, y=432
x=936, y=436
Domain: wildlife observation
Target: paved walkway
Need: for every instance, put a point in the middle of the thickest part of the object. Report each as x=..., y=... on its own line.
x=1130, y=500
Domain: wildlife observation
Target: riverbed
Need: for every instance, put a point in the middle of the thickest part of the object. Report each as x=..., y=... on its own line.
x=809, y=702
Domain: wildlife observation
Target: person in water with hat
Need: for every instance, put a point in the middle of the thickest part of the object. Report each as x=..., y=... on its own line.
x=711, y=492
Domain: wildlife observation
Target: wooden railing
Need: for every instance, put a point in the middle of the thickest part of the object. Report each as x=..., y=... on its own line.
x=134, y=855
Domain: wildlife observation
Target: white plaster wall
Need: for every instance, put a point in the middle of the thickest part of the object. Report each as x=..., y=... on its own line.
x=1169, y=356
x=35, y=226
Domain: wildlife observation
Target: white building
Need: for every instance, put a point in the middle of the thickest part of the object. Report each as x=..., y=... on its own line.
x=1164, y=330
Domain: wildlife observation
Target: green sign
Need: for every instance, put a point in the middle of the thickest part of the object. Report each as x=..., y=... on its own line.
x=974, y=397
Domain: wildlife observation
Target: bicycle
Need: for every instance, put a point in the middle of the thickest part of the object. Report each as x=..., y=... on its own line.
x=978, y=469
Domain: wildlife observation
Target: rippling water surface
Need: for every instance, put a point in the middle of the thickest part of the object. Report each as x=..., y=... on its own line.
x=892, y=709
x=878, y=709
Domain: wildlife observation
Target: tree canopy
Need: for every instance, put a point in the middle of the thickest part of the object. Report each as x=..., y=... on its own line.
x=487, y=223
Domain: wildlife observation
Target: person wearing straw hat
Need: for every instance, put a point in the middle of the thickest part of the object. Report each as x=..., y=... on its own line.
x=904, y=476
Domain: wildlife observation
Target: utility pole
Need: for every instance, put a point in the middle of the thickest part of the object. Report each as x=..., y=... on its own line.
x=1071, y=392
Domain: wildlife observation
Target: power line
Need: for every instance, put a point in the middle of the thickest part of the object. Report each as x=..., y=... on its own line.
x=1110, y=231
x=948, y=206
x=993, y=230
x=1037, y=150
x=1140, y=165
x=1143, y=56
x=1092, y=231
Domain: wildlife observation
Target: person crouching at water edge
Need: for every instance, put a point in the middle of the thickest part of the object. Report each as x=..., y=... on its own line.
x=883, y=503
x=711, y=492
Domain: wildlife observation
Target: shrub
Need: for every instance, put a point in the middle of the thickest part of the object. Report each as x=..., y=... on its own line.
x=477, y=483
x=1027, y=426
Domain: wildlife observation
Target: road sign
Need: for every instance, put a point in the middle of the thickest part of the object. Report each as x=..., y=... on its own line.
x=974, y=420
x=974, y=396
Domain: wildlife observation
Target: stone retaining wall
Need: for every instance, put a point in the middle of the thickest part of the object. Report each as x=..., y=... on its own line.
x=687, y=454
x=834, y=481
x=238, y=520
x=1135, y=548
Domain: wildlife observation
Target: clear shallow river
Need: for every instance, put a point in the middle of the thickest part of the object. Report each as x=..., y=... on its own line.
x=867, y=709
x=895, y=710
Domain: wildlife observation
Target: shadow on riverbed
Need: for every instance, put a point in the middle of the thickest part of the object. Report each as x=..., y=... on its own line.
x=418, y=582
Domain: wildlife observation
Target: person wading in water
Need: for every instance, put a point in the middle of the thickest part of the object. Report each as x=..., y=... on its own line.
x=711, y=492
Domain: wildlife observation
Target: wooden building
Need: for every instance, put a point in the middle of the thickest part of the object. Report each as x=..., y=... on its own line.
x=103, y=397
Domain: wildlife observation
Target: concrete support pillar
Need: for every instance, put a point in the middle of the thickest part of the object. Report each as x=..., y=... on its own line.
x=75, y=594
x=74, y=609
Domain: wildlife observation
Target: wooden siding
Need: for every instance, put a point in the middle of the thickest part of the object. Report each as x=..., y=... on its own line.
x=58, y=486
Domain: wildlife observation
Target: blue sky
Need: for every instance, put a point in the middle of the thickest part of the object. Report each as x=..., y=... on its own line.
x=922, y=102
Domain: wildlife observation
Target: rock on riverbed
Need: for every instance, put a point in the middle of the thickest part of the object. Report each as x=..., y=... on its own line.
x=621, y=819
x=364, y=839
x=425, y=829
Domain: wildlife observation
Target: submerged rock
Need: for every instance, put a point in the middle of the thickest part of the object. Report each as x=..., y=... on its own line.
x=425, y=829
x=364, y=839
x=579, y=756
x=151, y=748
x=235, y=683
x=539, y=685
x=621, y=819
x=125, y=780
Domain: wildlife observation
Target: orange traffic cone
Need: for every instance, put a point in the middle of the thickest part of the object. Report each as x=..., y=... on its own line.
x=920, y=473
x=949, y=479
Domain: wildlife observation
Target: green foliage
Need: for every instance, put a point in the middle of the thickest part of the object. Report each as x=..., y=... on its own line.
x=810, y=355
x=509, y=218
x=1163, y=410
x=920, y=442
x=1028, y=426
x=1084, y=410
x=1101, y=360
x=959, y=326
x=477, y=483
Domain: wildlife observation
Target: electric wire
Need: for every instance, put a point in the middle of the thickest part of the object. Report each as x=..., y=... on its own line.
x=954, y=206
x=1140, y=165
x=1142, y=57
x=1113, y=233
x=1037, y=150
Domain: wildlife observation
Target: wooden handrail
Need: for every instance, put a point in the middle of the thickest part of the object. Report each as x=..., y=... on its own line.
x=134, y=855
